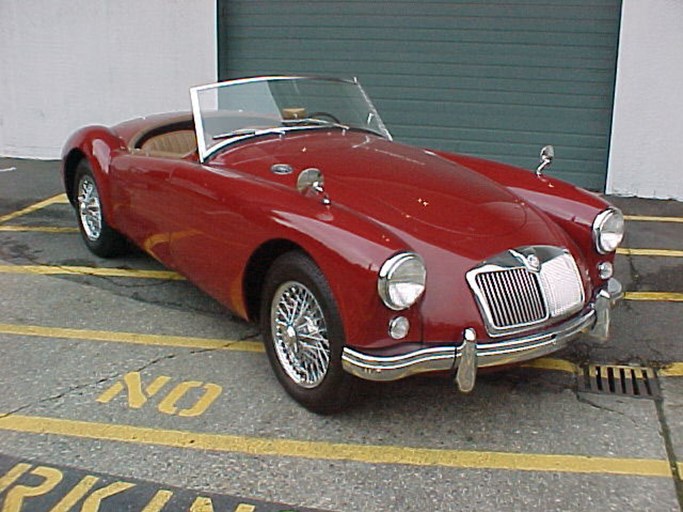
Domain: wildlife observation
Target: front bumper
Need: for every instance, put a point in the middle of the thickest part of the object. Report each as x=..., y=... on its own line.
x=469, y=355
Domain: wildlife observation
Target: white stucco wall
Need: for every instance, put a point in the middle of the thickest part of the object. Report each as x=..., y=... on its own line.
x=647, y=130
x=64, y=64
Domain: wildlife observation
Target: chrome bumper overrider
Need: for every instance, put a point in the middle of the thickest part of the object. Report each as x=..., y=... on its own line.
x=469, y=355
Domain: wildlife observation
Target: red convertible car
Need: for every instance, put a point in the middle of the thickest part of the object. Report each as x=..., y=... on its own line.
x=286, y=199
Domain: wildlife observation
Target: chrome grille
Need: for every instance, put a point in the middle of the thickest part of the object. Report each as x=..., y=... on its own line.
x=561, y=284
x=514, y=297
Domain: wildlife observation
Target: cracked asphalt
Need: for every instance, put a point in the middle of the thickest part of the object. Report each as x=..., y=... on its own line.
x=149, y=381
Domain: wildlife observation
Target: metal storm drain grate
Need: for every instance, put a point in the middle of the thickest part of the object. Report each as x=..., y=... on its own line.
x=636, y=381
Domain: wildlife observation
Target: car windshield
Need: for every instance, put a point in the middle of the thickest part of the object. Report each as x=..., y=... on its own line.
x=231, y=111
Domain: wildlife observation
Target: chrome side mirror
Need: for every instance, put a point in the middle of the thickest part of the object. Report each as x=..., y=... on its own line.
x=312, y=179
x=547, y=155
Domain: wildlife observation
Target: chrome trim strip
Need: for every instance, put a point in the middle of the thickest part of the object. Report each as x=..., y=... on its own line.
x=265, y=78
x=531, y=347
x=386, y=368
x=594, y=321
x=615, y=290
x=198, y=126
x=602, y=306
x=445, y=358
x=466, y=374
x=276, y=130
x=606, y=299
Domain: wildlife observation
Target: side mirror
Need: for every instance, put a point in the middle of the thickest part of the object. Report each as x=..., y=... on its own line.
x=547, y=155
x=312, y=179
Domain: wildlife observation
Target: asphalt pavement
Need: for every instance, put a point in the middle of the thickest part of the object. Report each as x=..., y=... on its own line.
x=126, y=388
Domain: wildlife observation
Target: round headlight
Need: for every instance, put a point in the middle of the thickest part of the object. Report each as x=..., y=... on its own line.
x=608, y=230
x=401, y=280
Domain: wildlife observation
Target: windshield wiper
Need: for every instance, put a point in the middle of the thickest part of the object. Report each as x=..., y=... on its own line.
x=322, y=123
x=314, y=121
x=286, y=123
x=246, y=132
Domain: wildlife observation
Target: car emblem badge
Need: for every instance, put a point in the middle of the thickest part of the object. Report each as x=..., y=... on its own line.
x=530, y=262
x=533, y=263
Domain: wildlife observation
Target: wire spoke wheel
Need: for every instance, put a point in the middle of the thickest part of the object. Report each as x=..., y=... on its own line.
x=304, y=335
x=299, y=334
x=98, y=236
x=89, y=209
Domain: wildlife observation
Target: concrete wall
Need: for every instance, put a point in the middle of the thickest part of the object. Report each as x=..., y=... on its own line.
x=64, y=64
x=647, y=132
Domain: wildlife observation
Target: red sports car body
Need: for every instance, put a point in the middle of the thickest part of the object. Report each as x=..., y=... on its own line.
x=286, y=199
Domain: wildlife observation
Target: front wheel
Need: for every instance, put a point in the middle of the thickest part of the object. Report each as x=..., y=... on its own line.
x=303, y=334
x=101, y=239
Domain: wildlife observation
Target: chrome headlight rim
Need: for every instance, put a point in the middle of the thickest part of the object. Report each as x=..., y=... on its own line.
x=598, y=229
x=389, y=269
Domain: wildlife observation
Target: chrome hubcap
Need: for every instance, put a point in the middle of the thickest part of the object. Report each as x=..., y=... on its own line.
x=300, y=334
x=89, y=209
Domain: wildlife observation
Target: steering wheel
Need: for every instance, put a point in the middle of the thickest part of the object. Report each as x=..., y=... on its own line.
x=325, y=114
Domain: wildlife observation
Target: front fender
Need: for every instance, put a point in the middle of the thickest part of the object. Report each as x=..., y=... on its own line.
x=349, y=249
x=572, y=208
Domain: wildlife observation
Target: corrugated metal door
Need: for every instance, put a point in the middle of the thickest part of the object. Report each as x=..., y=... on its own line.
x=497, y=79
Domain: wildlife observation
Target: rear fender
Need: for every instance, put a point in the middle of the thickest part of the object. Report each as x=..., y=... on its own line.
x=96, y=144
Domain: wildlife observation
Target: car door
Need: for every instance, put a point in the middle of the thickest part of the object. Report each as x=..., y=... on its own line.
x=143, y=200
x=212, y=232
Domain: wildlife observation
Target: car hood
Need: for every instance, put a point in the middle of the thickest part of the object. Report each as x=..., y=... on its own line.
x=401, y=187
x=413, y=187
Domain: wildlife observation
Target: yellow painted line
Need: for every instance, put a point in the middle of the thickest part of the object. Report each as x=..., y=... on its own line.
x=649, y=218
x=669, y=253
x=38, y=229
x=321, y=450
x=132, y=338
x=58, y=199
x=90, y=271
x=654, y=296
x=549, y=363
x=543, y=363
x=672, y=370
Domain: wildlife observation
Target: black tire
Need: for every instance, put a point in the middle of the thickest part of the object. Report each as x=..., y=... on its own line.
x=291, y=359
x=101, y=239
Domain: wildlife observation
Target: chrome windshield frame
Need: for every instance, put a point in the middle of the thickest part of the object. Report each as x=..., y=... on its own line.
x=207, y=152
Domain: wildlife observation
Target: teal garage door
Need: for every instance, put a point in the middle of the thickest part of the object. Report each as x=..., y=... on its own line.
x=496, y=79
